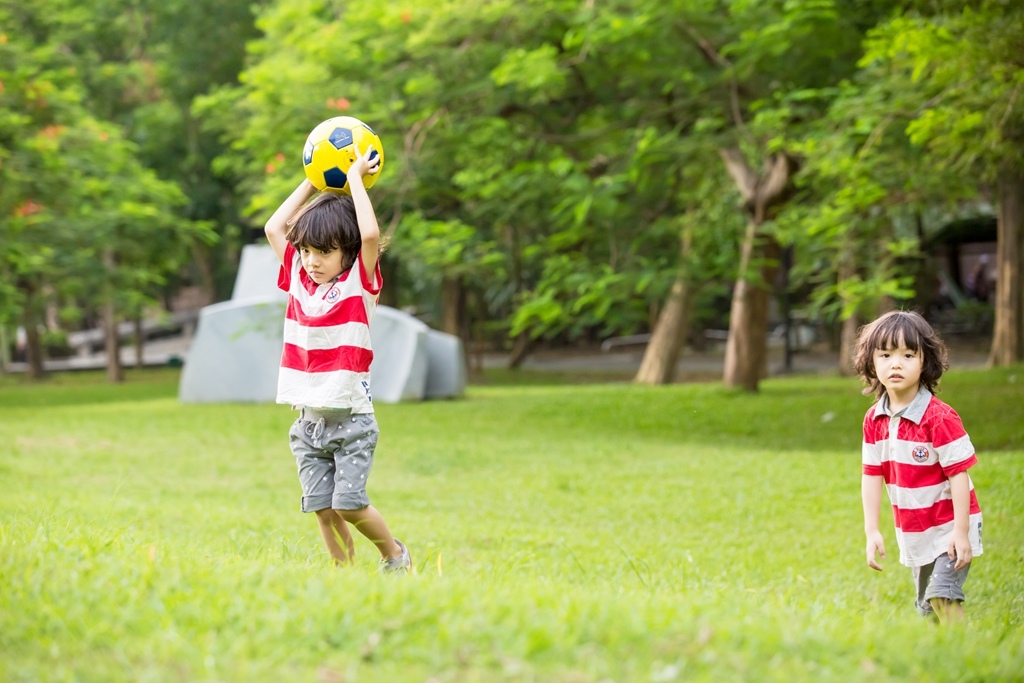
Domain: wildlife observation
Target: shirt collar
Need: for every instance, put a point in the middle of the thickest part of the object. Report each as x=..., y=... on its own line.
x=913, y=412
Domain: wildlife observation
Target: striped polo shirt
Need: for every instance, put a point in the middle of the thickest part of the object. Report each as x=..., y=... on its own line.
x=327, y=353
x=916, y=452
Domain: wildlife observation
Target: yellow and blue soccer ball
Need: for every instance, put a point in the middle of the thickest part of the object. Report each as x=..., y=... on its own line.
x=331, y=148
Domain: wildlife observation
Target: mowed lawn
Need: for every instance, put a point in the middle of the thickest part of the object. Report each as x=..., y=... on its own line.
x=560, y=532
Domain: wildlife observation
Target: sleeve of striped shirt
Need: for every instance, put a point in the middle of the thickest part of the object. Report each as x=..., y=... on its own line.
x=951, y=442
x=871, y=453
x=374, y=286
x=284, y=275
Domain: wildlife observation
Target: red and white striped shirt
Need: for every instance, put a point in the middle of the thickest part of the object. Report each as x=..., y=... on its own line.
x=916, y=454
x=327, y=353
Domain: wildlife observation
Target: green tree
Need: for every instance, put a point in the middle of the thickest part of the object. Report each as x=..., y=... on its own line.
x=141, y=64
x=858, y=221
x=589, y=145
x=768, y=55
x=39, y=97
x=963, y=63
x=534, y=128
x=75, y=194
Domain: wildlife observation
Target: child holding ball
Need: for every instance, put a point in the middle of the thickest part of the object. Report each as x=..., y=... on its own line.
x=916, y=445
x=329, y=250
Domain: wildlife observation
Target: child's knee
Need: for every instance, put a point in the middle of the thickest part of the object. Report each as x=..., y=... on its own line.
x=353, y=516
x=325, y=516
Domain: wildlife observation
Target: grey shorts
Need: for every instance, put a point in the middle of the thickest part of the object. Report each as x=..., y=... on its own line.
x=939, y=580
x=334, y=453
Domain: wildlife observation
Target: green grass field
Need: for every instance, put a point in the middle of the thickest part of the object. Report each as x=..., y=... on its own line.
x=560, y=532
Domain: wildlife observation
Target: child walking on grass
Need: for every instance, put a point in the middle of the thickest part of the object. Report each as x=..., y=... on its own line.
x=328, y=250
x=916, y=445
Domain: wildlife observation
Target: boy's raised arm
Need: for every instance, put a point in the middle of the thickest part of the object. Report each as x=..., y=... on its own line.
x=369, y=230
x=276, y=228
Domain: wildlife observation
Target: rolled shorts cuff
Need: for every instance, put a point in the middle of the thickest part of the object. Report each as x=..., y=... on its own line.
x=947, y=587
x=314, y=503
x=355, y=500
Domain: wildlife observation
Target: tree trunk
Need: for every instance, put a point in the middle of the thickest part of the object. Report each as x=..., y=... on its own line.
x=662, y=353
x=34, y=355
x=1008, y=333
x=140, y=342
x=390, y=271
x=669, y=336
x=5, y=351
x=34, y=350
x=204, y=264
x=520, y=350
x=453, y=305
x=477, y=332
x=848, y=332
x=112, y=344
x=455, y=313
x=746, y=351
x=848, y=345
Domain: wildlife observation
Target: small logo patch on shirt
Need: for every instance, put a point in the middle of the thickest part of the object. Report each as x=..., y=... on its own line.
x=332, y=295
x=920, y=453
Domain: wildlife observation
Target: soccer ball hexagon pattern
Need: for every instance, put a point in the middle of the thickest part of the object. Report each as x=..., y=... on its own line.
x=331, y=148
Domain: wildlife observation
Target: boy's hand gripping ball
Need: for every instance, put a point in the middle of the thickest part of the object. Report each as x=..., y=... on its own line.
x=331, y=148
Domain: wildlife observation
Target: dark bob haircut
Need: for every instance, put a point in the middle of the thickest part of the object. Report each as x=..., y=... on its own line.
x=328, y=222
x=894, y=329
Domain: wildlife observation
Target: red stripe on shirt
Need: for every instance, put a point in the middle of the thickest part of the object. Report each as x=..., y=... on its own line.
x=351, y=358
x=284, y=275
x=961, y=466
x=350, y=310
x=923, y=519
x=912, y=476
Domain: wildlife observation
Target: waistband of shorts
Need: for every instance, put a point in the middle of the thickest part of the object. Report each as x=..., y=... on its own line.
x=328, y=414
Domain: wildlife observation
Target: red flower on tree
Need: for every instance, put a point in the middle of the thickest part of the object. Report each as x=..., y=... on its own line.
x=28, y=208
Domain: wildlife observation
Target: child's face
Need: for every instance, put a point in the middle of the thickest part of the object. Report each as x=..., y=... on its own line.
x=321, y=265
x=899, y=369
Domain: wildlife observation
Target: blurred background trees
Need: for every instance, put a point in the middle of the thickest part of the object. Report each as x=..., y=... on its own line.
x=558, y=172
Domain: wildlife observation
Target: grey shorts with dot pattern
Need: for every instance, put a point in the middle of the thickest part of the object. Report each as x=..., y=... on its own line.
x=334, y=453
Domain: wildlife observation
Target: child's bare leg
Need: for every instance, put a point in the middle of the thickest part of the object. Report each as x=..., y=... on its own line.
x=948, y=611
x=331, y=522
x=341, y=529
x=370, y=524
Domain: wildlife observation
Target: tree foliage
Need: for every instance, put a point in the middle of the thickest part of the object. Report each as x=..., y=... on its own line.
x=925, y=128
x=84, y=222
x=554, y=167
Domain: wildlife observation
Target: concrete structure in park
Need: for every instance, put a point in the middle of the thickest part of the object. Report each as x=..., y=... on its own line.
x=236, y=351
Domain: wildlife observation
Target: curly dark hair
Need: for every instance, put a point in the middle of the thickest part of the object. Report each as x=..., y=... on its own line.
x=894, y=329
